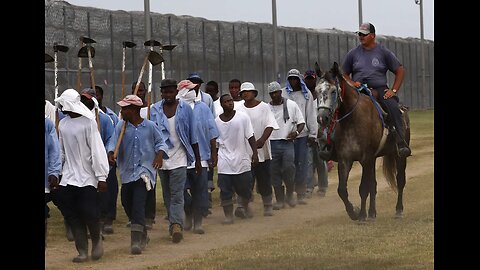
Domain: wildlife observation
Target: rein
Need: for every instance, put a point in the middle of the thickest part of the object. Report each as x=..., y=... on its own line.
x=354, y=107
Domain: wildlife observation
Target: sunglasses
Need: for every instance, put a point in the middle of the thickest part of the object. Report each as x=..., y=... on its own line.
x=362, y=34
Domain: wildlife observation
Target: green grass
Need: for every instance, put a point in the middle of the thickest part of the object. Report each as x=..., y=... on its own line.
x=336, y=242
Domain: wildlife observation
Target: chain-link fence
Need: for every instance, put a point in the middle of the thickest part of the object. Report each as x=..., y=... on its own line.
x=218, y=50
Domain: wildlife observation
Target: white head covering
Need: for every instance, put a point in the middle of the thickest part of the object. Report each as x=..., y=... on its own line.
x=70, y=101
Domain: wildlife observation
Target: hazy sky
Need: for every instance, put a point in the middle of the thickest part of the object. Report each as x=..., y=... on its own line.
x=400, y=18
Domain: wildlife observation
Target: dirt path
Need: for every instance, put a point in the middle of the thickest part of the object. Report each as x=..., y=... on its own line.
x=161, y=250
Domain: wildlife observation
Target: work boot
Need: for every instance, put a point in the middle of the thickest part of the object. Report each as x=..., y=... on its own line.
x=228, y=211
x=136, y=235
x=177, y=234
x=290, y=199
x=145, y=239
x=68, y=231
x=97, y=240
x=188, y=219
x=301, y=198
x=280, y=197
x=81, y=242
x=247, y=209
x=267, y=206
x=149, y=223
x=108, y=227
x=197, y=223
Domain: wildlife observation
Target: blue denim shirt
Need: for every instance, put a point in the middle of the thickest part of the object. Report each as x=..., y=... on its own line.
x=137, y=150
x=53, y=162
x=206, y=129
x=113, y=116
x=184, y=125
x=106, y=128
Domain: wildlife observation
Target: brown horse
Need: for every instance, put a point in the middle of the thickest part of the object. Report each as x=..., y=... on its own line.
x=357, y=133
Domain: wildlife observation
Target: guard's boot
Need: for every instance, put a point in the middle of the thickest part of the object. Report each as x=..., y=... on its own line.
x=68, y=231
x=228, y=211
x=403, y=149
x=97, y=239
x=136, y=234
x=280, y=197
x=188, y=218
x=267, y=206
x=197, y=223
x=81, y=242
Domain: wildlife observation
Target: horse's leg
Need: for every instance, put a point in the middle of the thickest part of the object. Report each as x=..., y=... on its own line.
x=368, y=177
x=372, y=210
x=344, y=168
x=401, y=181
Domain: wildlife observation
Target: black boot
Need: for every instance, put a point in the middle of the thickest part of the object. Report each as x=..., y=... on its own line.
x=228, y=211
x=279, y=197
x=97, y=240
x=403, y=150
x=188, y=218
x=145, y=239
x=68, y=231
x=197, y=223
x=136, y=235
x=79, y=232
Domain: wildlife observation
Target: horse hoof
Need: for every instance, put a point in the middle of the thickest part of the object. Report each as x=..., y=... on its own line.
x=399, y=215
x=371, y=219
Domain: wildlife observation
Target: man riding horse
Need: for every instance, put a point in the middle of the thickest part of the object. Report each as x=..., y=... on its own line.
x=368, y=64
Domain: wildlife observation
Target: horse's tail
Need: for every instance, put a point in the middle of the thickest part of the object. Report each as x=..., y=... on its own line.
x=390, y=170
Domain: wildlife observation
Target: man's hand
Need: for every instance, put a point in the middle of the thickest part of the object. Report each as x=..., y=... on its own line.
x=53, y=182
x=102, y=186
x=198, y=168
x=388, y=93
x=311, y=141
x=111, y=159
x=158, y=161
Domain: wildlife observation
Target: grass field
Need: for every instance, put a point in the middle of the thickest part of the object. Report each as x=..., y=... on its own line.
x=335, y=242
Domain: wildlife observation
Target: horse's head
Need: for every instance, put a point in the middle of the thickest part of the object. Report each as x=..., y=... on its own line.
x=328, y=91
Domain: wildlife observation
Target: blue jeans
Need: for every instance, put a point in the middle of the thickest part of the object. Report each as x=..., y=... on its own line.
x=261, y=175
x=282, y=166
x=301, y=148
x=316, y=164
x=134, y=197
x=197, y=200
x=173, y=184
x=238, y=183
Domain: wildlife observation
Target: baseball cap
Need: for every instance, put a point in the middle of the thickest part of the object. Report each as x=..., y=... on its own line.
x=294, y=73
x=274, y=86
x=310, y=73
x=186, y=84
x=366, y=28
x=247, y=86
x=168, y=82
x=195, y=77
x=89, y=93
x=130, y=100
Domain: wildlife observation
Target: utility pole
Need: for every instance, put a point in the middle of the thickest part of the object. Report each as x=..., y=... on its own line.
x=360, y=18
x=275, y=39
x=422, y=55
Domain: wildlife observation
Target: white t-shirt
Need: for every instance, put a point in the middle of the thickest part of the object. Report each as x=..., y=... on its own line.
x=236, y=104
x=234, y=151
x=295, y=118
x=178, y=154
x=261, y=118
